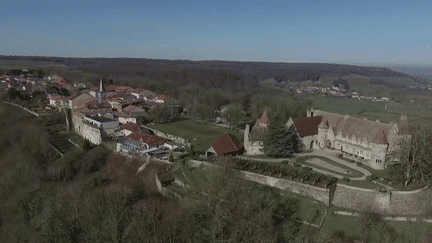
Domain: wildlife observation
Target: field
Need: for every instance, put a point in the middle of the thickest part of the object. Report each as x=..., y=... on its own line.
x=346, y=106
x=200, y=134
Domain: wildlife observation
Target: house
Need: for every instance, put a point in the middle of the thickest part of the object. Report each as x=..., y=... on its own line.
x=140, y=142
x=79, y=100
x=254, y=140
x=96, y=128
x=123, y=89
x=129, y=128
x=93, y=91
x=161, y=98
x=226, y=145
x=55, y=99
x=142, y=93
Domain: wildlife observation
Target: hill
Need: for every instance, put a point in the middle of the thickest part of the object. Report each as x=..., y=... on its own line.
x=213, y=73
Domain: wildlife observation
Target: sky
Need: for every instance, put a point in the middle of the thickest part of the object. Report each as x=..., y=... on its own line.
x=360, y=32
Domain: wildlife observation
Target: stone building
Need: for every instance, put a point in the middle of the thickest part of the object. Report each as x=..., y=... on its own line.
x=254, y=140
x=370, y=140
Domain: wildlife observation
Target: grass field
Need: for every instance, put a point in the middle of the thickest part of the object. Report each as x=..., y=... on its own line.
x=346, y=106
x=201, y=135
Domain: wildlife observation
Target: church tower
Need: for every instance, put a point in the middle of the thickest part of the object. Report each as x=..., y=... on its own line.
x=101, y=93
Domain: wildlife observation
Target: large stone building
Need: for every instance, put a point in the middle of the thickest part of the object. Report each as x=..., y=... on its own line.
x=370, y=140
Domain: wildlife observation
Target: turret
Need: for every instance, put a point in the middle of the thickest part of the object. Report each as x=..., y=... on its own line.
x=246, y=138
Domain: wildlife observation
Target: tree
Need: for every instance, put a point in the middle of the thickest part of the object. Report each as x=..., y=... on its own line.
x=234, y=114
x=86, y=145
x=412, y=160
x=280, y=141
x=171, y=158
x=367, y=220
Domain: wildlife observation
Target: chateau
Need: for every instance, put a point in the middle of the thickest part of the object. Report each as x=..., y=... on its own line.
x=369, y=140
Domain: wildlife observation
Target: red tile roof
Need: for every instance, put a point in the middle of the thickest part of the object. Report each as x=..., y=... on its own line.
x=307, y=126
x=380, y=138
x=138, y=90
x=227, y=144
x=257, y=132
x=144, y=138
x=130, y=126
x=111, y=88
x=123, y=89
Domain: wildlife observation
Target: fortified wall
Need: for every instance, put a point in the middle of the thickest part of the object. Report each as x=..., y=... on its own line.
x=392, y=202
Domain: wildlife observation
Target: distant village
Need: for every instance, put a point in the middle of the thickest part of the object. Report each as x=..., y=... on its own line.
x=100, y=113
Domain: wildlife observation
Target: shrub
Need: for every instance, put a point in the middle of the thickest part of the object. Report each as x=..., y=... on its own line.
x=285, y=162
x=307, y=168
x=296, y=165
x=346, y=179
x=369, y=178
x=374, y=177
x=340, y=155
x=176, y=150
x=358, y=163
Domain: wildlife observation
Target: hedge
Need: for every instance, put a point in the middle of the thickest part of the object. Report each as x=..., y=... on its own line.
x=285, y=162
x=358, y=163
x=374, y=177
x=346, y=179
x=369, y=178
x=296, y=165
x=307, y=168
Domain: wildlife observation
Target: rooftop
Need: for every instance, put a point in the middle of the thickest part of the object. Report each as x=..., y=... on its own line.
x=100, y=118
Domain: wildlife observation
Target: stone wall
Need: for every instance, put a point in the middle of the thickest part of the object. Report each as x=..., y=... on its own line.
x=393, y=202
x=320, y=194
x=171, y=137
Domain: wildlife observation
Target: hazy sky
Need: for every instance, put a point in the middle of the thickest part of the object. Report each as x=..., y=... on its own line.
x=348, y=31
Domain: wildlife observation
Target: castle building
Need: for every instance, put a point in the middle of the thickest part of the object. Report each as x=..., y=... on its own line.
x=370, y=140
x=254, y=140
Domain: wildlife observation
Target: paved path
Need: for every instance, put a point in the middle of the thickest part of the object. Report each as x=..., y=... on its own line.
x=327, y=154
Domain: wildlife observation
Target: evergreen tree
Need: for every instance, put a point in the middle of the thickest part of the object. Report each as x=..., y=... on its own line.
x=280, y=141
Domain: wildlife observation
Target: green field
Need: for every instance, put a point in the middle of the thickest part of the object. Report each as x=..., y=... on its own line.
x=200, y=134
x=346, y=106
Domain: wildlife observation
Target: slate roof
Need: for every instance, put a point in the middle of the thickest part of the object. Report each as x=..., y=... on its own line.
x=363, y=130
x=307, y=126
x=228, y=143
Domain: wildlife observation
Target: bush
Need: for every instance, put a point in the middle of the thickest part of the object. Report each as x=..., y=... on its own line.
x=307, y=168
x=369, y=178
x=182, y=150
x=374, y=177
x=340, y=155
x=346, y=179
x=285, y=162
x=358, y=163
x=176, y=150
x=296, y=165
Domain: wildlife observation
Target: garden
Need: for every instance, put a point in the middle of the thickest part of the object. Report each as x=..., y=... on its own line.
x=328, y=165
x=286, y=170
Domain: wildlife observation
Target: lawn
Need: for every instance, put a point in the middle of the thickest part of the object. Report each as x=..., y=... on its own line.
x=74, y=137
x=200, y=134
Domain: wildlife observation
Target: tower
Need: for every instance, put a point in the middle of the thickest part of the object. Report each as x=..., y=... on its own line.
x=101, y=93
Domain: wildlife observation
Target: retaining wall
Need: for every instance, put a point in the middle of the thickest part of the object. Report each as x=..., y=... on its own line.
x=320, y=194
x=392, y=202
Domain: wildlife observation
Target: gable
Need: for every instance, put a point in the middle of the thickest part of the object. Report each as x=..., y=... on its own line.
x=307, y=126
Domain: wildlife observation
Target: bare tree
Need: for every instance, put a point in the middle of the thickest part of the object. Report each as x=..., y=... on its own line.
x=413, y=158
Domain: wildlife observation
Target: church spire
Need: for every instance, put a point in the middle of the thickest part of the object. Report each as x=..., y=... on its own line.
x=101, y=87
